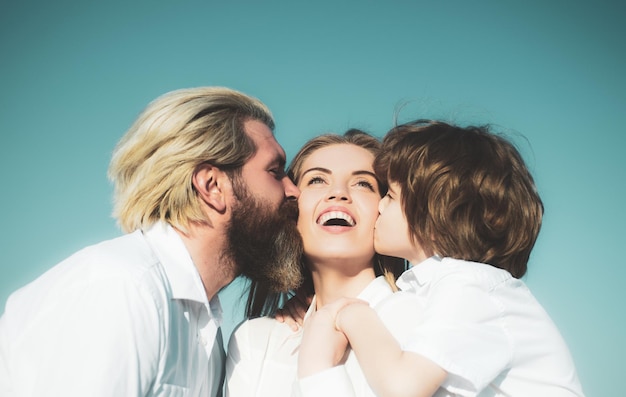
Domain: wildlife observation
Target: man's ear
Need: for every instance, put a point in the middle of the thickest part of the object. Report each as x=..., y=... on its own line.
x=209, y=181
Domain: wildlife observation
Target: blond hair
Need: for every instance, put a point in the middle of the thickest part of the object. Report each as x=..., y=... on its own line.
x=153, y=164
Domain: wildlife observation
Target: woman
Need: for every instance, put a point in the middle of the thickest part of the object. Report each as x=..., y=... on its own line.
x=338, y=209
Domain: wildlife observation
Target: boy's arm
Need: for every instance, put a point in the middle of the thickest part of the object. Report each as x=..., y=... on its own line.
x=389, y=370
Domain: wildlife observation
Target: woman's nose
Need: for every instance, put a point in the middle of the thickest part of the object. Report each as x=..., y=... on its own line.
x=338, y=193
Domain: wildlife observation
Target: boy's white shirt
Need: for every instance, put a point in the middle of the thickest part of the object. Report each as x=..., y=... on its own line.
x=486, y=329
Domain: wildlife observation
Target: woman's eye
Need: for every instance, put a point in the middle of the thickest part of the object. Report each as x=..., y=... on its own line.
x=366, y=184
x=315, y=180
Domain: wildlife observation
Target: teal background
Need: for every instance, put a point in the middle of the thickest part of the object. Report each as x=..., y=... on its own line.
x=73, y=76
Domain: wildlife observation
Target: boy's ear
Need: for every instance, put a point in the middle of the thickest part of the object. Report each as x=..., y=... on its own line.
x=210, y=183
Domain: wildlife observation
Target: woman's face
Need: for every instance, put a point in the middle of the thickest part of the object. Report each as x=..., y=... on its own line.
x=338, y=203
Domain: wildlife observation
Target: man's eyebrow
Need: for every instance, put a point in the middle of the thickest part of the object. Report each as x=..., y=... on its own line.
x=279, y=160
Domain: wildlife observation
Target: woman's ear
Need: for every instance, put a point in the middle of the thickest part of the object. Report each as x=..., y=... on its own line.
x=209, y=181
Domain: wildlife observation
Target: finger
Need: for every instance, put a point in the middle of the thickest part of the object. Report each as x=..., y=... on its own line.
x=286, y=315
x=299, y=313
x=296, y=314
x=302, y=299
x=291, y=322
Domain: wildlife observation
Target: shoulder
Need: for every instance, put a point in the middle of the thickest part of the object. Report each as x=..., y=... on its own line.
x=117, y=270
x=259, y=326
x=128, y=258
x=458, y=273
x=257, y=333
x=127, y=251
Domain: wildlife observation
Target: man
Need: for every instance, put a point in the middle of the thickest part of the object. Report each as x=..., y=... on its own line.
x=201, y=191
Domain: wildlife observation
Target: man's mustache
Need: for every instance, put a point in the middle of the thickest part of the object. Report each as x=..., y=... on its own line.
x=289, y=209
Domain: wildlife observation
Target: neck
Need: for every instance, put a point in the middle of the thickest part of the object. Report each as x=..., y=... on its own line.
x=334, y=282
x=206, y=246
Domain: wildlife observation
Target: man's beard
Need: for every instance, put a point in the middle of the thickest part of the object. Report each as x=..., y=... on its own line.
x=264, y=244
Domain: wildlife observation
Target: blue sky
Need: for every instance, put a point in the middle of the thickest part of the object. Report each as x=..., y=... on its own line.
x=73, y=76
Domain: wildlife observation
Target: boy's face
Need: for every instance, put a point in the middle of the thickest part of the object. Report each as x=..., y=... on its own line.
x=391, y=234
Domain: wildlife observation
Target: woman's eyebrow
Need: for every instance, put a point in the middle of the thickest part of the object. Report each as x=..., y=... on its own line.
x=364, y=172
x=320, y=169
x=330, y=172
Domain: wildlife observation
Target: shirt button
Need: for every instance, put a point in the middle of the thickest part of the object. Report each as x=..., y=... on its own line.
x=203, y=340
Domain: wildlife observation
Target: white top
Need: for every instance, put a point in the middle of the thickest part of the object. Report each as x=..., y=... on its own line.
x=126, y=317
x=489, y=333
x=263, y=353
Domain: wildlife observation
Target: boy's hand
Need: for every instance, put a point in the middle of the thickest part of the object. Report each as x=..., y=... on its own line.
x=292, y=313
x=335, y=307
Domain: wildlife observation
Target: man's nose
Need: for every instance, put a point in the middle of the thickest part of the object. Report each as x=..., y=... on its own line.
x=291, y=191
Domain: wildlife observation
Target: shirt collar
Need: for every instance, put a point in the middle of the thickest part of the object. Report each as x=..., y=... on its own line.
x=418, y=275
x=180, y=270
x=376, y=291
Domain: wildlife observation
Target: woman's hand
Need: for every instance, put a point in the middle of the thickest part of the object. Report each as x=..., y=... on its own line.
x=292, y=313
x=323, y=345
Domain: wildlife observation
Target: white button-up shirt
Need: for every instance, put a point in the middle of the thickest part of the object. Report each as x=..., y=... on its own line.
x=126, y=317
x=263, y=353
x=489, y=333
